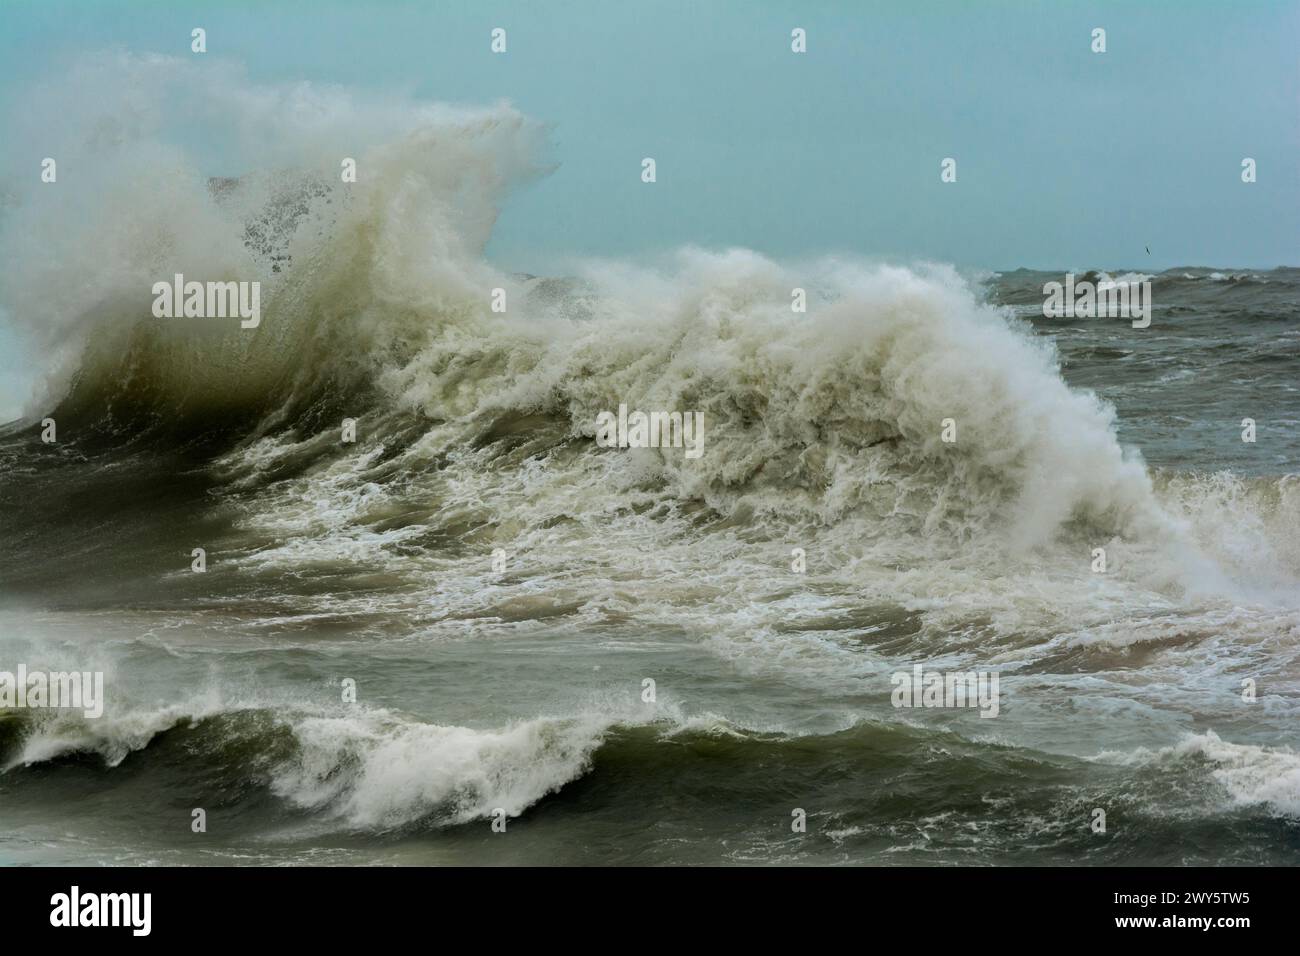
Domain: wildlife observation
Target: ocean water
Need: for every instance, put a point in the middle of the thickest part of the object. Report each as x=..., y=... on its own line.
x=517, y=690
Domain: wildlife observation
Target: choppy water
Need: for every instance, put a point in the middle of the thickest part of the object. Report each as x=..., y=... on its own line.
x=522, y=689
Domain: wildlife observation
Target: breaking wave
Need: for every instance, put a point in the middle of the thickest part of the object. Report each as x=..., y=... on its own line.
x=377, y=295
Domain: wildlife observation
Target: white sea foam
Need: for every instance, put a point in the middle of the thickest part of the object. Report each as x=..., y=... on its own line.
x=824, y=431
x=378, y=771
x=1248, y=775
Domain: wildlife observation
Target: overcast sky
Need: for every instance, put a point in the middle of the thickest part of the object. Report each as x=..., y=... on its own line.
x=1065, y=158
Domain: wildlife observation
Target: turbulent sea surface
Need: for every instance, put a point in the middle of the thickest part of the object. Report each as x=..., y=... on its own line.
x=522, y=689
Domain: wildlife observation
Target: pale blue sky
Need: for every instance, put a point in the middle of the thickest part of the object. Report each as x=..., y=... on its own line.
x=1066, y=158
